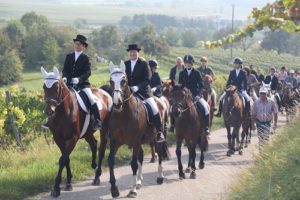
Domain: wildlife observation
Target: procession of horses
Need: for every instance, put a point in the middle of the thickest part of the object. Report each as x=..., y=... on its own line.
x=127, y=120
x=128, y=123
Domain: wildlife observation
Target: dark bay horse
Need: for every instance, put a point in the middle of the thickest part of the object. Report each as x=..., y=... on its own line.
x=235, y=116
x=68, y=122
x=188, y=127
x=128, y=125
x=289, y=101
x=207, y=95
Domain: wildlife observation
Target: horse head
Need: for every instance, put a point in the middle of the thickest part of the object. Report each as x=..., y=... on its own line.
x=179, y=95
x=119, y=85
x=207, y=81
x=166, y=88
x=53, y=90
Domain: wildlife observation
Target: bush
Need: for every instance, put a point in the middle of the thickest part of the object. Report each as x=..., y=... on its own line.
x=10, y=67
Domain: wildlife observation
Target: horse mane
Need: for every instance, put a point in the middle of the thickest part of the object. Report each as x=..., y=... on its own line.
x=180, y=87
x=208, y=78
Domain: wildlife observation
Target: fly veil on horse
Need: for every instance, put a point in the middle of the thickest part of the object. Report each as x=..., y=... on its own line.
x=235, y=116
x=70, y=121
x=188, y=127
x=128, y=125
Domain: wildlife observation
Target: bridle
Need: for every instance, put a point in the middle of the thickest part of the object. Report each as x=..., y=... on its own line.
x=117, y=90
x=59, y=99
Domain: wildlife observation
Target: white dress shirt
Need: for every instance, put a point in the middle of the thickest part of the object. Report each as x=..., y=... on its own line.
x=189, y=71
x=77, y=54
x=237, y=71
x=133, y=62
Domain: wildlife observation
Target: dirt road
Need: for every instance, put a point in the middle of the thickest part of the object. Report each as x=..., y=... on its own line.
x=212, y=182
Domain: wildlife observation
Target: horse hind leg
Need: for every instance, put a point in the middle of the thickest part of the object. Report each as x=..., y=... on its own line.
x=153, y=153
x=160, y=178
x=93, y=145
x=101, y=154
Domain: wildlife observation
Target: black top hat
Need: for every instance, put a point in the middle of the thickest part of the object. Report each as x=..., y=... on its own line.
x=82, y=39
x=133, y=47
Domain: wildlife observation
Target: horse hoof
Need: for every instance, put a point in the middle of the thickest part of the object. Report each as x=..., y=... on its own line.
x=246, y=146
x=249, y=141
x=96, y=181
x=193, y=175
x=187, y=170
x=55, y=192
x=138, y=186
x=152, y=160
x=94, y=165
x=240, y=152
x=181, y=176
x=160, y=180
x=115, y=192
x=68, y=187
x=229, y=153
x=201, y=165
x=132, y=194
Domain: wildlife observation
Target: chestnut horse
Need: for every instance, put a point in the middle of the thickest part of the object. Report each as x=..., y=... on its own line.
x=235, y=116
x=207, y=95
x=188, y=127
x=67, y=124
x=128, y=125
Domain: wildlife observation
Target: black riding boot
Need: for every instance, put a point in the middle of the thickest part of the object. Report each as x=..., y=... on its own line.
x=158, y=125
x=46, y=123
x=97, y=120
x=206, y=124
x=220, y=109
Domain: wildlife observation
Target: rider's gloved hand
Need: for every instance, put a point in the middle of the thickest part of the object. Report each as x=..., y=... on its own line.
x=65, y=79
x=153, y=89
x=134, y=89
x=75, y=81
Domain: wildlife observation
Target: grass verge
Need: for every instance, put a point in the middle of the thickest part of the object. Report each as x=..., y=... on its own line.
x=276, y=172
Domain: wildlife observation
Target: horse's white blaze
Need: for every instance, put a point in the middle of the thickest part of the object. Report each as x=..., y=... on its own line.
x=116, y=78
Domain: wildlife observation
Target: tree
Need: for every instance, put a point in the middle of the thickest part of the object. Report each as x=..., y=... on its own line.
x=10, y=67
x=277, y=40
x=50, y=52
x=172, y=36
x=16, y=32
x=4, y=42
x=189, y=39
x=80, y=23
x=31, y=18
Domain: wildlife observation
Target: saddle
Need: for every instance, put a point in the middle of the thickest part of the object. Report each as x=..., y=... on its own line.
x=148, y=109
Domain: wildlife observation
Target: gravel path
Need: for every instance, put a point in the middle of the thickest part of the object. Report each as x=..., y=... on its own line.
x=212, y=182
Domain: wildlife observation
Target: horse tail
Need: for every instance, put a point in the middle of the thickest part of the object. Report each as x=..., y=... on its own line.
x=163, y=150
x=107, y=89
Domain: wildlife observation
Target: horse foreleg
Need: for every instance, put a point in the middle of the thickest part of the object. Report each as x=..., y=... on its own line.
x=140, y=167
x=93, y=145
x=134, y=168
x=64, y=160
x=111, y=161
x=203, y=143
x=101, y=153
x=178, y=154
x=160, y=178
x=192, y=153
x=229, y=136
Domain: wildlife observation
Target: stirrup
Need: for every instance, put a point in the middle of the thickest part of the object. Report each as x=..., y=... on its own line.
x=206, y=131
x=45, y=124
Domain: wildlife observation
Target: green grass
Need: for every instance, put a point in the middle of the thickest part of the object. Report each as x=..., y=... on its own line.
x=276, y=173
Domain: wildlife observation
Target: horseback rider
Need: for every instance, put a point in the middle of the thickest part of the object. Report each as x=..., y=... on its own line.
x=175, y=71
x=155, y=82
x=274, y=84
x=76, y=71
x=238, y=78
x=204, y=69
x=139, y=76
x=291, y=79
x=192, y=80
x=251, y=79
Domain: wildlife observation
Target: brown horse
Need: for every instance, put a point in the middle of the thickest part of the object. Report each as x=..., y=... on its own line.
x=235, y=116
x=188, y=127
x=207, y=95
x=67, y=124
x=128, y=125
x=289, y=100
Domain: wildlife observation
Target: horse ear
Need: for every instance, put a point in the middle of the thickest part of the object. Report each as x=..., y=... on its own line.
x=122, y=66
x=44, y=72
x=56, y=72
x=172, y=83
x=111, y=67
